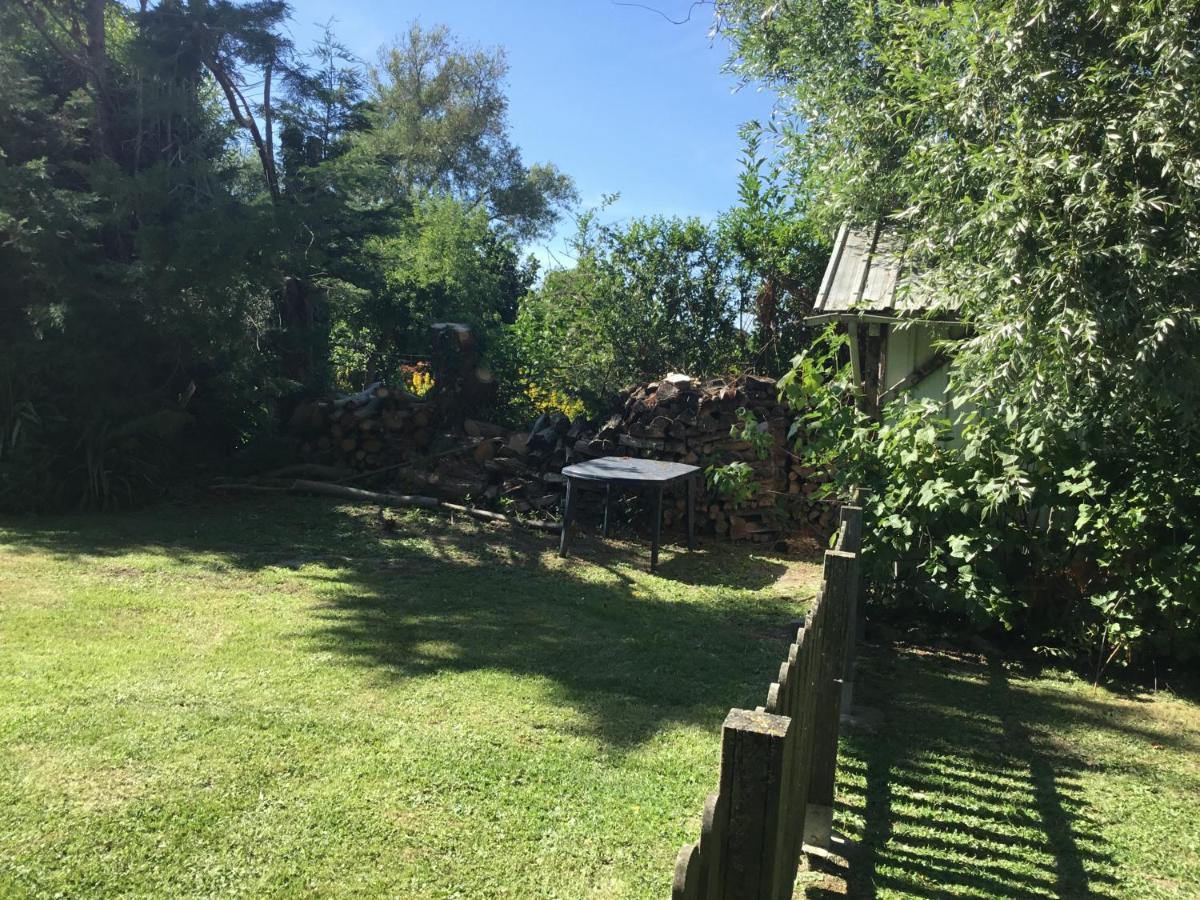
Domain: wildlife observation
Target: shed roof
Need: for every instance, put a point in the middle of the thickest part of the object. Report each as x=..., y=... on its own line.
x=866, y=269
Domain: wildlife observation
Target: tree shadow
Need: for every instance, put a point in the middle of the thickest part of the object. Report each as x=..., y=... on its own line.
x=411, y=596
x=960, y=791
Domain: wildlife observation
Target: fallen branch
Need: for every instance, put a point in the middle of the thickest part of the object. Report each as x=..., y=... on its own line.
x=313, y=470
x=343, y=492
x=399, y=501
x=359, y=476
x=251, y=488
x=487, y=516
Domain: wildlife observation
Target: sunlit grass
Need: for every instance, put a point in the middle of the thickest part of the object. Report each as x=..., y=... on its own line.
x=273, y=697
x=981, y=780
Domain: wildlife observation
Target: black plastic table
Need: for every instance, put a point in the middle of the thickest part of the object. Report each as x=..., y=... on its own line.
x=626, y=471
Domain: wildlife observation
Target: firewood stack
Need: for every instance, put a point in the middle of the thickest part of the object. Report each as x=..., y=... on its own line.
x=379, y=426
x=680, y=420
x=515, y=471
x=389, y=429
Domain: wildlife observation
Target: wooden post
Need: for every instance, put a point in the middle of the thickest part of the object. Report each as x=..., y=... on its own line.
x=658, y=495
x=752, y=777
x=837, y=594
x=568, y=515
x=691, y=512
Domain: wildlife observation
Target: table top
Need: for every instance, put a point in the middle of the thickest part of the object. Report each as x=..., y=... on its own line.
x=628, y=468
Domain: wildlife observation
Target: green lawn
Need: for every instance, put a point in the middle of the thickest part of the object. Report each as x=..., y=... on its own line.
x=282, y=696
x=975, y=779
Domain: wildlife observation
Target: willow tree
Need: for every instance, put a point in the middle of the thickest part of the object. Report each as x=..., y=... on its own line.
x=1041, y=159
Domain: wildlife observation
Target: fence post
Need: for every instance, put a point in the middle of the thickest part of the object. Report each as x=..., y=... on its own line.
x=752, y=774
x=840, y=586
x=851, y=542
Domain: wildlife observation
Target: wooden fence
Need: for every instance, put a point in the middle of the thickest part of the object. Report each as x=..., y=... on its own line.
x=778, y=762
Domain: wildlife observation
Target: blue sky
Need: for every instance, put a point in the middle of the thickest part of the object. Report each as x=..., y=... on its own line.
x=616, y=96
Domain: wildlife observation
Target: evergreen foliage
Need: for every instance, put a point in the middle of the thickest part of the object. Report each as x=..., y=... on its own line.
x=197, y=222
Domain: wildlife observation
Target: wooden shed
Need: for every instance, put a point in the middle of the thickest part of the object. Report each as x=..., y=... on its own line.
x=893, y=335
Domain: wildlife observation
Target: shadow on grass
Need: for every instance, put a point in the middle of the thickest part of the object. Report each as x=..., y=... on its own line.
x=414, y=596
x=959, y=793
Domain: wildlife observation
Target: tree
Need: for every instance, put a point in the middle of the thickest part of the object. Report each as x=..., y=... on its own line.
x=136, y=289
x=653, y=296
x=777, y=244
x=440, y=127
x=325, y=106
x=1038, y=159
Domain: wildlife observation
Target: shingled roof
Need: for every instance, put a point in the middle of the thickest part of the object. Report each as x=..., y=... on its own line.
x=863, y=279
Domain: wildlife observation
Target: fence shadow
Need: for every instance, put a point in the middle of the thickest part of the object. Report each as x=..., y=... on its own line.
x=955, y=792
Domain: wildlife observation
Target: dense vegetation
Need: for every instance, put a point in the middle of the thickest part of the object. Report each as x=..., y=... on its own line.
x=1040, y=159
x=200, y=221
x=180, y=256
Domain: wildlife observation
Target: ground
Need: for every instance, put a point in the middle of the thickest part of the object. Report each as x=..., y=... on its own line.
x=968, y=776
x=282, y=696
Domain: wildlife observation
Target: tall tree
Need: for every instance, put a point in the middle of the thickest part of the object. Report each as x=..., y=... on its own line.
x=440, y=126
x=1039, y=158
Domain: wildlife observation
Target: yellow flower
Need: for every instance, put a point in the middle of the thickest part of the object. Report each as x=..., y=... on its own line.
x=551, y=400
x=420, y=382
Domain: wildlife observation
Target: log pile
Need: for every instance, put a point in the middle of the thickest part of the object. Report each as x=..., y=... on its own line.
x=682, y=420
x=380, y=426
x=516, y=471
x=385, y=433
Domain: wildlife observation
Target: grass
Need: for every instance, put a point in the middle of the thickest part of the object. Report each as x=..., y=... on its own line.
x=977, y=779
x=286, y=697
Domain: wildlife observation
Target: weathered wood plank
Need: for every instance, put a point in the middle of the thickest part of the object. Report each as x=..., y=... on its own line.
x=686, y=884
x=839, y=585
x=752, y=767
x=713, y=831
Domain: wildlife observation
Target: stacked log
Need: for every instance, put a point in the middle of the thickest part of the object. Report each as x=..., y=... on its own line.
x=380, y=426
x=386, y=429
x=516, y=471
x=681, y=420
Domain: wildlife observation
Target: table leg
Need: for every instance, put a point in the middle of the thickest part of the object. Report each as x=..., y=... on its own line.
x=658, y=495
x=607, y=508
x=691, y=512
x=568, y=516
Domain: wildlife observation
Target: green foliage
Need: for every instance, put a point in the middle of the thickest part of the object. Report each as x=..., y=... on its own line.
x=779, y=248
x=444, y=263
x=735, y=481
x=197, y=224
x=753, y=432
x=654, y=296
x=134, y=269
x=440, y=126
x=1038, y=160
x=819, y=387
